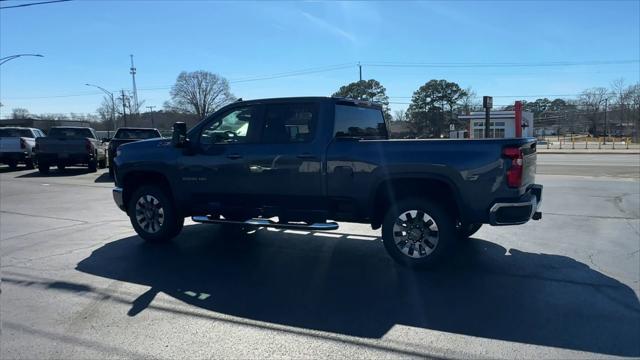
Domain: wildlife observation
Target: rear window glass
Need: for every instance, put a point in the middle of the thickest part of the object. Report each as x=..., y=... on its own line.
x=359, y=122
x=15, y=133
x=70, y=133
x=136, y=134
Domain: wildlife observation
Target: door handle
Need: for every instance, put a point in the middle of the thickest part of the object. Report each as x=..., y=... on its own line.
x=306, y=156
x=234, y=156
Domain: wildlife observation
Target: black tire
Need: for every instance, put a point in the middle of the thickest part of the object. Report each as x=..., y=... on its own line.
x=43, y=167
x=102, y=163
x=30, y=163
x=61, y=167
x=467, y=230
x=93, y=165
x=13, y=165
x=434, y=242
x=161, y=231
x=111, y=172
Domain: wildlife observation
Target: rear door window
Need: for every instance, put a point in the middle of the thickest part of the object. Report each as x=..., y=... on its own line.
x=359, y=122
x=289, y=123
x=70, y=133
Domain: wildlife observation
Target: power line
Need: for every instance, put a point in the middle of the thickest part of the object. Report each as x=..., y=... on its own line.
x=33, y=4
x=506, y=64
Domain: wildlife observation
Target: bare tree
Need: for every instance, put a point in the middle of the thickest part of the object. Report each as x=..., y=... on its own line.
x=593, y=100
x=199, y=92
x=468, y=102
x=399, y=115
x=19, y=113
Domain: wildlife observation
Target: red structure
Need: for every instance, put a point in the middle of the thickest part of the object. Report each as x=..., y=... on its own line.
x=518, y=118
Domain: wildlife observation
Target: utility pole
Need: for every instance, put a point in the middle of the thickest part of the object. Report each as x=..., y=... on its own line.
x=360, y=68
x=135, y=90
x=151, y=111
x=123, y=97
x=606, y=108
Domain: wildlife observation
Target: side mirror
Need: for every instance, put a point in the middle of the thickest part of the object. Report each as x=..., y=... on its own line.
x=179, y=137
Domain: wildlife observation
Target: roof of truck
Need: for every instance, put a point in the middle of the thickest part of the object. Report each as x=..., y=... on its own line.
x=311, y=98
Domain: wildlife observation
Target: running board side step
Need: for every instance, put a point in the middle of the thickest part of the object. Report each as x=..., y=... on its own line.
x=268, y=223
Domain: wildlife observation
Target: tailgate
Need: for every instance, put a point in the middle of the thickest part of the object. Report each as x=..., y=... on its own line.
x=62, y=146
x=10, y=144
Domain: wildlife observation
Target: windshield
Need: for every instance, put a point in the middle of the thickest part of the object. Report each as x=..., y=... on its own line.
x=70, y=133
x=16, y=133
x=137, y=134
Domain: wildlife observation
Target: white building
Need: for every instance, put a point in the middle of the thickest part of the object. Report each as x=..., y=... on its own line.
x=504, y=124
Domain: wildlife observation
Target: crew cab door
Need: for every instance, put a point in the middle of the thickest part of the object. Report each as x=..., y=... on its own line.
x=215, y=173
x=286, y=168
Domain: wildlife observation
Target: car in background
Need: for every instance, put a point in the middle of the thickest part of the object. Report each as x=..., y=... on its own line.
x=127, y=135
x=68, y=145
x=17, y=145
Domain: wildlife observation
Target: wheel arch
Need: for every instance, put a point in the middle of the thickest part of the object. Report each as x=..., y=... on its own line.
x=391, y=190
x=135, y=179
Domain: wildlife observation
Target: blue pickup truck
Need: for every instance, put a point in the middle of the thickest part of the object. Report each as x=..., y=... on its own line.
x=311, y=162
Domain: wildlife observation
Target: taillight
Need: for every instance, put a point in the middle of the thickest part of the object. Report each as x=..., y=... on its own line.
x=514, y=173
x=88, y=145
x=23, y=143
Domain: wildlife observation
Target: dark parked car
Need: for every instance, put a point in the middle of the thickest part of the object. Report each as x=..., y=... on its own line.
x=308, y=160
x=69, y=145
x=127, y=135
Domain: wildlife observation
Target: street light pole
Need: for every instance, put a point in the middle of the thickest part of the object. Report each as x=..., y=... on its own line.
x=11, y=57
x=113, y=104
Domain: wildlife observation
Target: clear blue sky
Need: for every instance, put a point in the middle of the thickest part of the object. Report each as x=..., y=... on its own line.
x=90, y=41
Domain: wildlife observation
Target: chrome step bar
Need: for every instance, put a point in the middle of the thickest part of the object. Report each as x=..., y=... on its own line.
x=268, y=223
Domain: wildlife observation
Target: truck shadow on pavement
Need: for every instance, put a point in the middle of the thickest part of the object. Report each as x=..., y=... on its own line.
x=349, y=286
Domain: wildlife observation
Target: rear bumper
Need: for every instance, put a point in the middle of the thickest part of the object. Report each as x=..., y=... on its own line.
x=14, y=156
x=118, y=198
x=66, y=159
x=518, y=212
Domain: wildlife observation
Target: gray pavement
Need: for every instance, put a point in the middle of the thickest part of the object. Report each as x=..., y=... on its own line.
x=599, y=165
x=78, y=283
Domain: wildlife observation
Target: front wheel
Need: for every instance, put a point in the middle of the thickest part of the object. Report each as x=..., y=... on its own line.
x=418, y=233
x=153, y=215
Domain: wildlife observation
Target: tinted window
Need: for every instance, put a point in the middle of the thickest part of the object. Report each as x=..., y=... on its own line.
x=136, y=134
x=16, y=133
x=70, y=133
x=230, y=128
x=359, y=122
x=289, y=123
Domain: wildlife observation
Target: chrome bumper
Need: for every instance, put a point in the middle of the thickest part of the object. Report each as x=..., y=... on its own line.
x=118, y=198
x=519, y=212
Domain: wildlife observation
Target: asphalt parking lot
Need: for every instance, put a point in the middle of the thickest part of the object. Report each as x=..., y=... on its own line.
x=78, y=283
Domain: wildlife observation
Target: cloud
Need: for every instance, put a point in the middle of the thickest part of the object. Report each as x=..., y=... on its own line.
x=329, y=27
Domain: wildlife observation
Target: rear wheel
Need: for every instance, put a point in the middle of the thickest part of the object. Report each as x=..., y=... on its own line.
x=93, y=165
x=43, y=167
x=111, y=171
x=30, y=163
x=13, y=164
x=102, y=163
x=418, y=233
x=153, y=215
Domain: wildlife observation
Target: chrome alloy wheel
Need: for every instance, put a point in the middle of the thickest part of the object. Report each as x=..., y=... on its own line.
x=149, y=213
x=415, y=234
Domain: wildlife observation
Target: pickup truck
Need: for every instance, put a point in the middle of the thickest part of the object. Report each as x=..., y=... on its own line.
x=68, y=145
x=125, y=136
x=17, y=144
x=310, y=160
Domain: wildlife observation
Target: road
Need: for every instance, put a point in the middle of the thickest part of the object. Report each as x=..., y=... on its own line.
x=78, y=283
x=618, y=165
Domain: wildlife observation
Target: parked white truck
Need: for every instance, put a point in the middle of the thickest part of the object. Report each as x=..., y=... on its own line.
x=17, y=146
